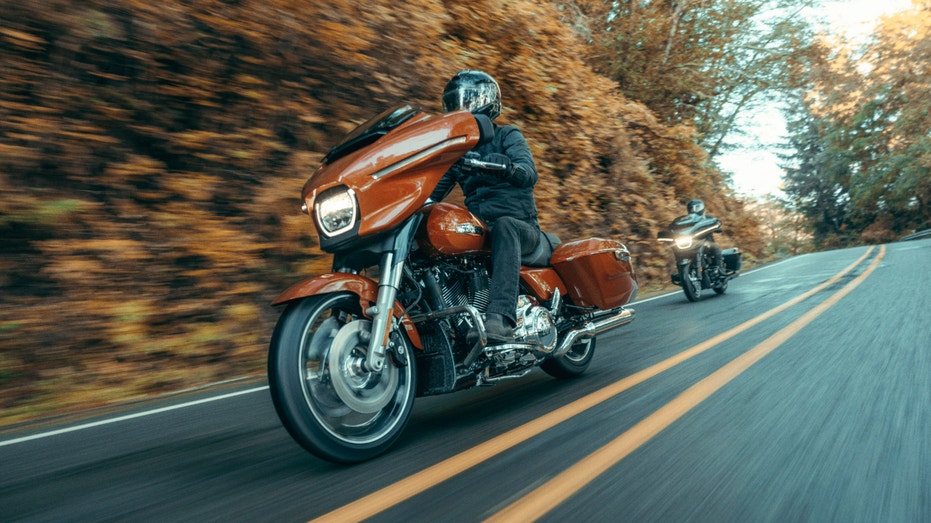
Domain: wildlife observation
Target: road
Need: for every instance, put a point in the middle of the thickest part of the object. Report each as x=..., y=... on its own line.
x=803, y=394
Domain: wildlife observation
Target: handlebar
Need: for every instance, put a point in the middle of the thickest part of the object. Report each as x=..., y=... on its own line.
x=478, y=164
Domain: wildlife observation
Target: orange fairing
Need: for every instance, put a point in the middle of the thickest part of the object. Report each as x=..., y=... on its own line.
x=596, y=271
x=415, y=155
x=364, y=288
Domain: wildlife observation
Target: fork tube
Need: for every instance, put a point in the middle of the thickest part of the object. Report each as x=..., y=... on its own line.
x=392, y=267
x=384, y=305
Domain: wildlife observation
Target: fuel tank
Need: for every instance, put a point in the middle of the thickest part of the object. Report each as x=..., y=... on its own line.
x=451, y=230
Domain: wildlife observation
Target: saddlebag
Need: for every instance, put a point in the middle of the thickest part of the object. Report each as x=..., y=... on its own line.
x=733, y=259
x=597, y=273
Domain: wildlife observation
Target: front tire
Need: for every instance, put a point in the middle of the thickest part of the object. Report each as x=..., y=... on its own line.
x=691, y=282
x=573, y=363
x=321, y=391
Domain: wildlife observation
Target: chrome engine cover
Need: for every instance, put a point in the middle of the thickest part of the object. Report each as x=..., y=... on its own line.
x=534, y=325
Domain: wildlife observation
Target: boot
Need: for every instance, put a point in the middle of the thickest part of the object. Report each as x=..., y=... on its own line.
x=498, y=329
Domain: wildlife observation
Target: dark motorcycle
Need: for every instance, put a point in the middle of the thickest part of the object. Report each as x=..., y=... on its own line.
x=689, y=237
x=401, y=313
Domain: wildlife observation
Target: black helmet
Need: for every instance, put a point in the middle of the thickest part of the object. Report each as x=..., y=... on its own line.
x=695, y=207
x=473, y=90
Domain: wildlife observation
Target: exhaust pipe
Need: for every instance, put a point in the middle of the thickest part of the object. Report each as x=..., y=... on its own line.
x=592, y=329
x=601, y=323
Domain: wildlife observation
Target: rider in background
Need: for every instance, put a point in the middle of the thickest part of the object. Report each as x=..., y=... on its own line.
x=502, y=199
x=698, y=207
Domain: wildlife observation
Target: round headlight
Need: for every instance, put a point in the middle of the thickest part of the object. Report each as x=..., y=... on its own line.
x=684, y=242
x=335, y=211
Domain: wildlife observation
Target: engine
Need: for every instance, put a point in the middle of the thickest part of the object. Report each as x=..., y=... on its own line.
x=451, y=285
x=467, y=282
x=534, y=324
x=464, y=286
x=472, y=286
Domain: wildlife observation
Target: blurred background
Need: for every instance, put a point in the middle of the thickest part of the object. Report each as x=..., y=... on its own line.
x=152, y=153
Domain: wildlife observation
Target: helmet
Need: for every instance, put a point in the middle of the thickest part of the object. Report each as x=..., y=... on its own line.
x=695, y=207
x=473, y=90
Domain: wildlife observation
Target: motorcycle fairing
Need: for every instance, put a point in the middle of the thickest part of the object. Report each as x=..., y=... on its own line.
x=371, y=131
x=415, y=154
x=690, y=225
x=364, y=288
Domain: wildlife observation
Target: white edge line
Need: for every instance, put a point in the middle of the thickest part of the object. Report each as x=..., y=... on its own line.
x=234, y=394
x=128, y=417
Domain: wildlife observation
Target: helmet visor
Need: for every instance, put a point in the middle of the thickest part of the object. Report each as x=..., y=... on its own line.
x=470, y=98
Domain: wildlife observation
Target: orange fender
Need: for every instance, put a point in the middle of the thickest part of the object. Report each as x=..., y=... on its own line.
x=365, y=288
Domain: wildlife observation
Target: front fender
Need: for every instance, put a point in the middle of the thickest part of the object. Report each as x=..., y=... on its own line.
x=365, y=288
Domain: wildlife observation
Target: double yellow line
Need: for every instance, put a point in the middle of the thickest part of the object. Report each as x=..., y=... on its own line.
x=549, y=495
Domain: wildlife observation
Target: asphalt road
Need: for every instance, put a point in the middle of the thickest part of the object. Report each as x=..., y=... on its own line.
x=803, y=394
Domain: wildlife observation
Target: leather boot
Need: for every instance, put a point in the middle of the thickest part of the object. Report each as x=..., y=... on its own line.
x=498, y=329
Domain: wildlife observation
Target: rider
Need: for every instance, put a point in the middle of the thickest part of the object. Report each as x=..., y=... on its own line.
x=698, y=207
x=502, y=199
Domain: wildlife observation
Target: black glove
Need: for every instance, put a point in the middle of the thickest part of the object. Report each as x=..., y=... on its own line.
x=500, y=159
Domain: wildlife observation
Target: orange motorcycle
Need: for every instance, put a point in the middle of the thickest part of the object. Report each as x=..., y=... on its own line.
x=401, y=315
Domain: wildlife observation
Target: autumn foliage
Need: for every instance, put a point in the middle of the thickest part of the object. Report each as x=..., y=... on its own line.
x=152, y=155
x=860, y=169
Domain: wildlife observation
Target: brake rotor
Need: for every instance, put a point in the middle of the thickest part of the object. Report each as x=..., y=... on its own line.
x=361, y=390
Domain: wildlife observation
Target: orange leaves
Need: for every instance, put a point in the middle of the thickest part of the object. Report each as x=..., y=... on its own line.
x=135, y=167
x=22, y=39
x=353, y=42
x=249, y=148
x=190, y=186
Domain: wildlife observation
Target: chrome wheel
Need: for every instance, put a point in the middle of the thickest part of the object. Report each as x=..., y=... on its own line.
x=323, y=393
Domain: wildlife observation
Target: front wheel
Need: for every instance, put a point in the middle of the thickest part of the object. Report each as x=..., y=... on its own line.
x=691, y=281
x=573, y=363
x=323, y=394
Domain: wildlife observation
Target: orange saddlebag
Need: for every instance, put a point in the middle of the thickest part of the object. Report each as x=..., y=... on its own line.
x=597, y=272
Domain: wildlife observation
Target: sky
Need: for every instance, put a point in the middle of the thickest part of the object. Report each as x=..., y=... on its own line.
x=755, y=166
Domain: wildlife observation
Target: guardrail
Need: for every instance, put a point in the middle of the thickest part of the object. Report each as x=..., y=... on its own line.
x=916, y=236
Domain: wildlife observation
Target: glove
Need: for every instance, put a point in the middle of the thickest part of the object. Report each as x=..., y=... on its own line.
x=500, y=159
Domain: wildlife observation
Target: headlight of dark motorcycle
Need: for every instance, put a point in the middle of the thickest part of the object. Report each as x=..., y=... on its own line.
x=684, y=242
x=336, y=210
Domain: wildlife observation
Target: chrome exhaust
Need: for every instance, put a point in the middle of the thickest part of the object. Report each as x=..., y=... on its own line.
x=592, y=329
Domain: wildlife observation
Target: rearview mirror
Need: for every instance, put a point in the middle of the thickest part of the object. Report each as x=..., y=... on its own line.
x=486, y=129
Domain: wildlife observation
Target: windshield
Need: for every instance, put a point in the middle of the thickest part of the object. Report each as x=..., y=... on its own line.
x=370, y=131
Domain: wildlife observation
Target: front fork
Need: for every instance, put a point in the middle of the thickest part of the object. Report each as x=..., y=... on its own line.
x=700, y=262
x=381, y=312
x=392, y=268
x=694, y=259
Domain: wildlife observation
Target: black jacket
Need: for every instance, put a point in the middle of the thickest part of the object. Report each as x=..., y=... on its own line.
x=490, y=197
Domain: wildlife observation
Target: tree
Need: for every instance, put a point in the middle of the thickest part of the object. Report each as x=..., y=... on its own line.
x=703, y=62
x=862, y=168
x=784, y=226
x=817, y=177
x=894, y=122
